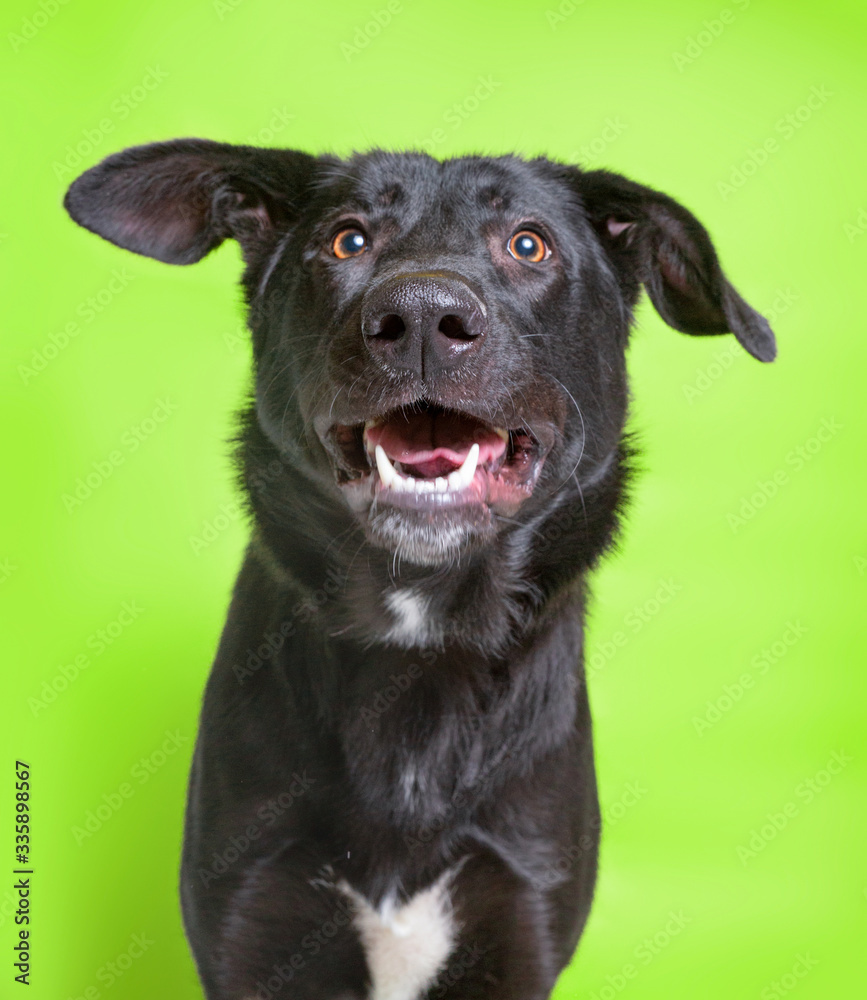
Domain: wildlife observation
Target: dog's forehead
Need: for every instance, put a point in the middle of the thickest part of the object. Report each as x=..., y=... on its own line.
x=417, y=184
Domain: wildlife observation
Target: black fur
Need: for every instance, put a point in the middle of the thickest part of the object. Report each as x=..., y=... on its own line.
x=335, y=745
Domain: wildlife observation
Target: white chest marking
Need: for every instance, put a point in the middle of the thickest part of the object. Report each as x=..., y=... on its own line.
x=405, y=945
x=410, y=612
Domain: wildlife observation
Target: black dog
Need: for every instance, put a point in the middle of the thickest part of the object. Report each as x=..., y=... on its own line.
x=393, y=793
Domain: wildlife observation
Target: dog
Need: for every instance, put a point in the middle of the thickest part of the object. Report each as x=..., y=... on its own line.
x=392, y=793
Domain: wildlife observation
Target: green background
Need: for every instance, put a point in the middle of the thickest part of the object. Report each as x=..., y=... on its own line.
x=618, y=84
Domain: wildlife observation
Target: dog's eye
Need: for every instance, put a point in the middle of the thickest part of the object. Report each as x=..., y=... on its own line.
x=527, y=245
x=349, y=243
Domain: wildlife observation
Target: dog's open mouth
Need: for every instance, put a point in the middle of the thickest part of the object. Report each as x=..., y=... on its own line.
x=424, y=456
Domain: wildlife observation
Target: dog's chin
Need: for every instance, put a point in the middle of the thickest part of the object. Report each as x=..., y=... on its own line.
x=430, y=538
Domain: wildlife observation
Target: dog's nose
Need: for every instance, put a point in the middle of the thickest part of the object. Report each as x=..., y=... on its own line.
x=423, y=322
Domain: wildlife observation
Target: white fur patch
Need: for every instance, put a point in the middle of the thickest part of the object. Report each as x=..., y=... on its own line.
x=408, y=782
x=405, y=945
x=410, y=611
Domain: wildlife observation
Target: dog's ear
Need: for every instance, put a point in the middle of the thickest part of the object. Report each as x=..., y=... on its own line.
x=653, y=239
x=177, y=201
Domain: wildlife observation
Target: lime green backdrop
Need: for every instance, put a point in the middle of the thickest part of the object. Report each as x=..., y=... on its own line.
x=727, y=640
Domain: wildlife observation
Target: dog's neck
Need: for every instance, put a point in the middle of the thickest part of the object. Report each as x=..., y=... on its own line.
x=481, y=605
x=423, y=725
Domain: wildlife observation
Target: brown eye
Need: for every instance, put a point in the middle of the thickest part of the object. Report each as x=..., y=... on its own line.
x=529, y=246
x=349, y=243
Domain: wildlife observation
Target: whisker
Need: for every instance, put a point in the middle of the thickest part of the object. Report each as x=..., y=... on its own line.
x=583, y=437
x=333, y=401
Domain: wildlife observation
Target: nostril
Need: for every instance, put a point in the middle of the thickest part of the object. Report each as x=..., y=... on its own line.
x=391, y=327
x=453, y=327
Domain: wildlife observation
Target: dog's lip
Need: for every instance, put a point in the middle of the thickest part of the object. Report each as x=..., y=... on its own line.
x=488, y=461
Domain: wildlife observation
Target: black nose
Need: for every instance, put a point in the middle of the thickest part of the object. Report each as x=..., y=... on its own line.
x=423, y=322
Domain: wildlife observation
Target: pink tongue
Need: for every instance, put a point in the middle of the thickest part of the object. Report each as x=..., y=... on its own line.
x=435, y=443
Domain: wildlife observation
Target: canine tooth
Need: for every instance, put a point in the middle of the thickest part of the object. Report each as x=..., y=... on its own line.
x=369, y=425
x=461, y=478
x=387, y=473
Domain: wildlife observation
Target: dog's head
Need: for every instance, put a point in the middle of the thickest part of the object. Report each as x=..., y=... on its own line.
x=439, y=346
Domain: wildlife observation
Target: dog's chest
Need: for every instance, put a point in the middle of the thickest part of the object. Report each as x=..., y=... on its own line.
x=406, y=944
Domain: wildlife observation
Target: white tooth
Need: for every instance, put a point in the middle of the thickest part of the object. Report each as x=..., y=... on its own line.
x=392, y=479
x=402, y=483
x=461, y=478
x=405, y=484
x=387, y=472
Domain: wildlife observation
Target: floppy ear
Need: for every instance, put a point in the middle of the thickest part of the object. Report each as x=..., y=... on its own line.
x=653, y=239
x=177, y=201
